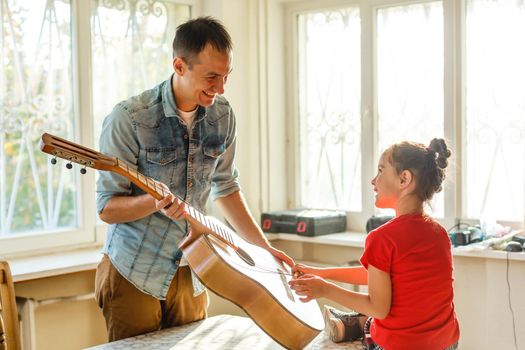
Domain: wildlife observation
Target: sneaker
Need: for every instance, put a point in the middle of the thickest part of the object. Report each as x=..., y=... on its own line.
x=342, y=326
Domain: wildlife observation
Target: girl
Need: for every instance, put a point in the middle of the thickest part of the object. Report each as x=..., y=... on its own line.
x=407, y=263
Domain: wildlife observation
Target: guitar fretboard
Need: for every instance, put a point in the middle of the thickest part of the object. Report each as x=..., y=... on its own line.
x=151, y=186
x=76, y=153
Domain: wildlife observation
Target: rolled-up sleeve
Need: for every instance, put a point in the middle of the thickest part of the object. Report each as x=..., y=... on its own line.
x=225, y=180
x=117, y=139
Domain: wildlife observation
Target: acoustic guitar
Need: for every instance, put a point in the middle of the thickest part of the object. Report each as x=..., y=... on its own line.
x=231, y=267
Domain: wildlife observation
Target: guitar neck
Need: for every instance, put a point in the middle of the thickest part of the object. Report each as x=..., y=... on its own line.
x=146, y=183
x=195, y=217
x=73, y=152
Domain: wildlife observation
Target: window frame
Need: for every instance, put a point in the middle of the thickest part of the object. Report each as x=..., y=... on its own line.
x=90, y=230
x=454, y=103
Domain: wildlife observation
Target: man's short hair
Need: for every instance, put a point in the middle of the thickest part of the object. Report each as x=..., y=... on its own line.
x=192, y=36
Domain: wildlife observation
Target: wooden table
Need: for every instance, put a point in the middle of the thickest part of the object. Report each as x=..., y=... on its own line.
x=218, y=332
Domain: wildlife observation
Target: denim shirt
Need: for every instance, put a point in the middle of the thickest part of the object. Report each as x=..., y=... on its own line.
x=146, y=132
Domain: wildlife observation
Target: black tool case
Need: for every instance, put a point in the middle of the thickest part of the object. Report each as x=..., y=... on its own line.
x=304, y=222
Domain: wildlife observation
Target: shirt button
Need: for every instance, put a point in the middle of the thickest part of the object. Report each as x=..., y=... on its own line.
x=190, y=184
x=185, y=136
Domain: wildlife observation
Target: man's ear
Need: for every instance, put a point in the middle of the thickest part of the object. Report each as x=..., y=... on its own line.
x=178, y=65
x=405, y=179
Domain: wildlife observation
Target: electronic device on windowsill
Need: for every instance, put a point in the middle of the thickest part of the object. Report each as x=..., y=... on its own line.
x=376, y=221
x=304, y=222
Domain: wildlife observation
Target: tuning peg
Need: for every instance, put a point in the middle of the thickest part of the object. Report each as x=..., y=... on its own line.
x=69, y=165
x=83, y=171
x=53, y=161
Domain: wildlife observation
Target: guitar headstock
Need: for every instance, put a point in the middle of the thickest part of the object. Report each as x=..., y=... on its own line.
x=76, y=153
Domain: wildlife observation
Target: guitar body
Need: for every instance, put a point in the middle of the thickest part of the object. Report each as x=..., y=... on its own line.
x=243, y=273
x=261, y=289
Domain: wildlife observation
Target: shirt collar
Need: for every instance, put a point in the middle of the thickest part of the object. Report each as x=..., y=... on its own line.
x=169, y=105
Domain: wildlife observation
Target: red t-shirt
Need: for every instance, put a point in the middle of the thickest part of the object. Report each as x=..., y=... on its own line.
x=415, y=251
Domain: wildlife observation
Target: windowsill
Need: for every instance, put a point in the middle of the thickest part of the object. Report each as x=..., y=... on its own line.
x=48, y=265
x=357, y=240
x=345, y=239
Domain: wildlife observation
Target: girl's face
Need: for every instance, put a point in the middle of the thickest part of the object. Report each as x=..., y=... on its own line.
x=386, y=183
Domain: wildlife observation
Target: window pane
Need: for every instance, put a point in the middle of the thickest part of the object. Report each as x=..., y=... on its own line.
x=132, y=52
x=495, y=108
x=35, y=96
x=410, y=77
x=329, y=109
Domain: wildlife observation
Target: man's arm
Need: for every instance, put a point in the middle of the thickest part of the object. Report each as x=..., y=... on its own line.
x=121, y=209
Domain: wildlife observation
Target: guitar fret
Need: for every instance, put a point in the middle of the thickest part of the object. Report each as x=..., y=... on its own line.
x=133, y=173
x=194, y=213
x=201, y=217
x=220, y=231
x=151, y=183
x=211, y=224
x=191, y=211
x=155, y=187
x=139, y=175
x=226, y=235
x=215, y=226
x=230, y=238
x=207, y=222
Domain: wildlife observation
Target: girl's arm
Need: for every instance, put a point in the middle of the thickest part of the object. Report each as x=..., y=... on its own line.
x=376, y=303
x=352, y=275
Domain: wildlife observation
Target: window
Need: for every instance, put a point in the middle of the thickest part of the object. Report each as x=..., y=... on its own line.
x=410, y=76
x=495, y=109
x=44, y=88
x=330, y=93
x=410, y=70
x=132, y=49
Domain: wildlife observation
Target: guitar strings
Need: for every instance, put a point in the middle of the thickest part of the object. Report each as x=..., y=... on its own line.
x=259, y=267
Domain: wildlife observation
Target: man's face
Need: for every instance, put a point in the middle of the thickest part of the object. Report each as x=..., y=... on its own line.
x=203, y=79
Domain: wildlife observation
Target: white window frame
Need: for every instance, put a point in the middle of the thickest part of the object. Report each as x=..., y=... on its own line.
x=454, y=103
x=90, y=231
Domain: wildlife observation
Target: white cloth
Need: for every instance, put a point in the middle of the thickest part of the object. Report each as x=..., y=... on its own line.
x=188, y=117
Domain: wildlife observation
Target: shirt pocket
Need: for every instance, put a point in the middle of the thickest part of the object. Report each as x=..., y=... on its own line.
x=161, y=163
x=212, y=154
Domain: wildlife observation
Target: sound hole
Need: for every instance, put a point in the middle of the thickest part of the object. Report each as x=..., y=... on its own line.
x=244, y=256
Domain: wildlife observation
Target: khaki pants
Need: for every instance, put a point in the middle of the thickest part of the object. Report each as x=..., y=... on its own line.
x=129, y=312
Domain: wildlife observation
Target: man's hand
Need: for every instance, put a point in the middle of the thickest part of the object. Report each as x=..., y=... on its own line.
x=170, y=205
x=190, y=237
x=279, y=254
x=309, y=287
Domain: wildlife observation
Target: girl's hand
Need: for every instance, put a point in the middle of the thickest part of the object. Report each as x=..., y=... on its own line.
x=300, y=269
x=309, y=287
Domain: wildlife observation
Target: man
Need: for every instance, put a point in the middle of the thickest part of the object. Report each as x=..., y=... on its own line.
x=182, y=133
